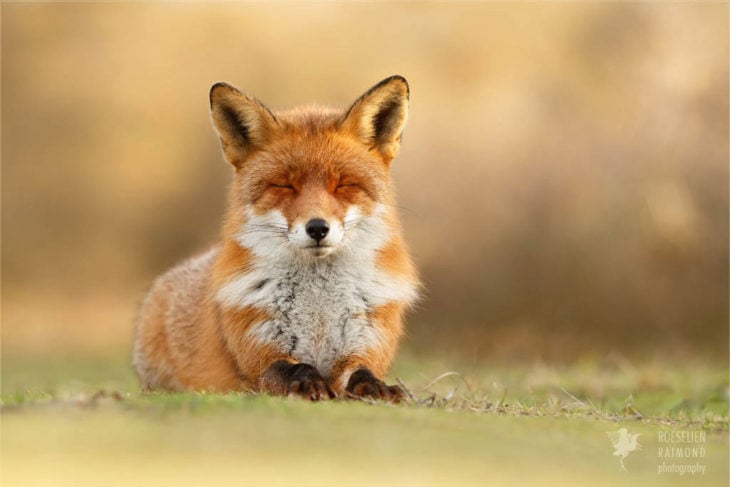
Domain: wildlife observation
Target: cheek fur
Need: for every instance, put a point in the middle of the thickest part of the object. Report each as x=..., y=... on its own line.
x=366, y=228
x=264, y=233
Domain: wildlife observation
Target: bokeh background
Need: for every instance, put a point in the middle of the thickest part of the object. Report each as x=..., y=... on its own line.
x=563, y=177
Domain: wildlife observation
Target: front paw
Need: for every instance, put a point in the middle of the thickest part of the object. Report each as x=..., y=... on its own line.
x=296, y=380
x=363, y=384
x=306, y=382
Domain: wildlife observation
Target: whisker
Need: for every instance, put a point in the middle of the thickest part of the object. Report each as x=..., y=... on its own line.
x=264, y=226
x=271, y=233
x=399, y=207
x=356, y=226
x=352, y=222
x=369, y=232
x=263, y=230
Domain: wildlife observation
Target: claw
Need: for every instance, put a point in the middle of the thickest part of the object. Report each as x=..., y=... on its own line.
x=363, y=384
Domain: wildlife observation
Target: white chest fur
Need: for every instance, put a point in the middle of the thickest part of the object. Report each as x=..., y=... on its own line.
x=319, y=307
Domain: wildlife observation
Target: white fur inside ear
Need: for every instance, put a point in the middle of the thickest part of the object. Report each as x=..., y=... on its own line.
x=240, y=121
x=382, y=123
x=378, y=118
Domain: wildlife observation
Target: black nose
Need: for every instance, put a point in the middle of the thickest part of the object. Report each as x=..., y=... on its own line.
x=317, y=229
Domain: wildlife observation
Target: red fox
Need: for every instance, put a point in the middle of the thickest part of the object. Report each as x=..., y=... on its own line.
x=306, y=291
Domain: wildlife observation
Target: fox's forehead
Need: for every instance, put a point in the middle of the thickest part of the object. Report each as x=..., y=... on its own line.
x=310, y=117
x=317, y=157
x=313, y=137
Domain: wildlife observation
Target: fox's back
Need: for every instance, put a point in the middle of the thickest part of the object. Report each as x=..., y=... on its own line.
x=166, y=328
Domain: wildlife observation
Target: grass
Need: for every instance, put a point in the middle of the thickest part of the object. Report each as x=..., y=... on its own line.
x=82, y=421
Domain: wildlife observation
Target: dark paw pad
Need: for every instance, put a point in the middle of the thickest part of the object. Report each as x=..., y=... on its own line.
x=296, y=380
x=309, y=386
x=363, y=384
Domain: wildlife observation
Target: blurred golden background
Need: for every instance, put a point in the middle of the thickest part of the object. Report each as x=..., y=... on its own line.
x=563, y=177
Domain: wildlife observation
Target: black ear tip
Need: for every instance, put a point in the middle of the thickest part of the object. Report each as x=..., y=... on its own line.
x=390, y=82
x=219, y=87
x=398, y=79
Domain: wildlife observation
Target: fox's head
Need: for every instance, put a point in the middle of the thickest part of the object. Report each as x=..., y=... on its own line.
x=311, y=182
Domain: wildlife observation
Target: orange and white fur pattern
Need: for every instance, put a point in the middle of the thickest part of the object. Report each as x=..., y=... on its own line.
x=305, y=293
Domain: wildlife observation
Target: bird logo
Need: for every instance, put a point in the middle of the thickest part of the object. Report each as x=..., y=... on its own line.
x=623, y=444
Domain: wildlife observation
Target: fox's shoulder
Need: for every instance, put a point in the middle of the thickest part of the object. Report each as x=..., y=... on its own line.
x=191, y=272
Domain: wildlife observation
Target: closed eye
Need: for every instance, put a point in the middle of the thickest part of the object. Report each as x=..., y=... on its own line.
x=282, y=186
x=347, y=185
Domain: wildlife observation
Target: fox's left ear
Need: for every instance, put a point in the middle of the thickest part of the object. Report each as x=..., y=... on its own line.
x=243, y=123
x=377, y=118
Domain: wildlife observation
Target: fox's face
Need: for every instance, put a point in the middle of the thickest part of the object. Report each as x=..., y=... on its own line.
x=311, y=182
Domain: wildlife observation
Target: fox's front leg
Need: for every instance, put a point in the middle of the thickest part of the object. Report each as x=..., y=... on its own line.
x=289, y=378
x=264, y=365
x=354, y=378
x=363, y=384
x=275, y=372
x=358, y=375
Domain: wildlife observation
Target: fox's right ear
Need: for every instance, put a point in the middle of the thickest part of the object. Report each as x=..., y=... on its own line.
x=242, y=122
x=377, y=118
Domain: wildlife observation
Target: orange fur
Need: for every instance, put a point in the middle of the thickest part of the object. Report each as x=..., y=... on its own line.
x=304, y=163
x=388, y=318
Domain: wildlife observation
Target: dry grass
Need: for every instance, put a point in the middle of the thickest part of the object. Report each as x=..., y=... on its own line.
x=72, y=421
x=654, y=393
